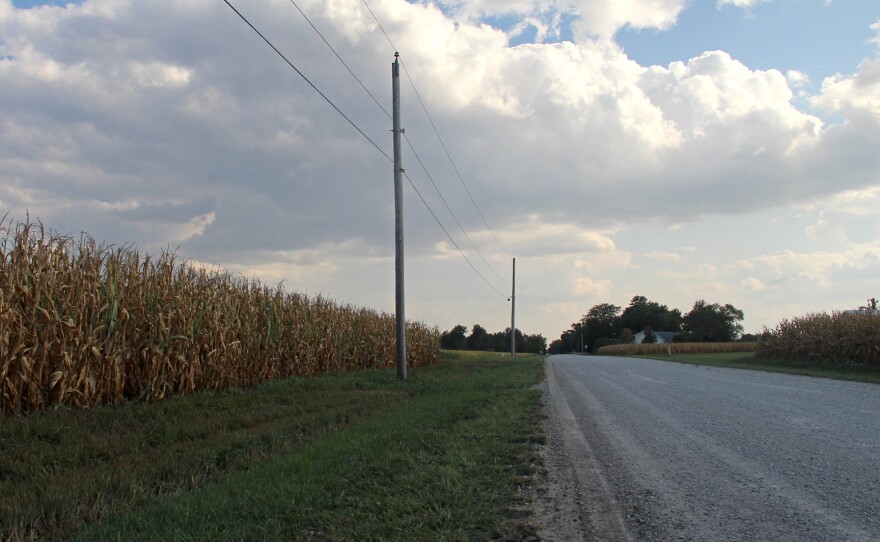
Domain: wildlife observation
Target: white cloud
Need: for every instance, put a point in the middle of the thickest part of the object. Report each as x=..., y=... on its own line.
x=823, y=229
x=741, y=3
x=707, y=270
x=144, y=123
x=600, y=18
x=158, y=74
x=540, y=237
x=797, y=78
x=753, y=283
x=671, y=257
x=876, y=39
x=594, y=288
x=855, y=94
x=787, y=267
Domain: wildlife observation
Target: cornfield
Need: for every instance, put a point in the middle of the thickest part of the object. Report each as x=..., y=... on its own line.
x=675, y=348
x=836, y=339
x=83, y=324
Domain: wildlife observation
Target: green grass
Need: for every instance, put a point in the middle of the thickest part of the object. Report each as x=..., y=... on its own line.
x=338, y=457
x=747, y=360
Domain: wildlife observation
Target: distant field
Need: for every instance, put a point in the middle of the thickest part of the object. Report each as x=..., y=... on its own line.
x=741, y=360
x=675, y=348
x=342, y=456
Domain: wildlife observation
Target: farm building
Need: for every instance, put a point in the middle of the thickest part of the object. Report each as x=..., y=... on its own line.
x=863, y=310
x=662, y=337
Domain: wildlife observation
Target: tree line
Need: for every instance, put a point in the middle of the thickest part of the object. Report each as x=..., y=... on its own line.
x=458, y=338
x=606, y=323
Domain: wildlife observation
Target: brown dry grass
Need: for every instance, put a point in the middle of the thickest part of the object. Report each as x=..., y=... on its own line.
x=83, y=324
x=676, y=348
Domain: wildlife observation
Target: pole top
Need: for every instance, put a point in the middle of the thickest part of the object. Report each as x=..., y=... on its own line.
x=396, y=54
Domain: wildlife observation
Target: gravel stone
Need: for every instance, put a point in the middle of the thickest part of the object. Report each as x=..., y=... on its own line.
x=652, y=450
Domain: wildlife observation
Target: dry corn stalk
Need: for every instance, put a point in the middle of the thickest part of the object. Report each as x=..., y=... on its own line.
x=830, y=339
x=83, y=324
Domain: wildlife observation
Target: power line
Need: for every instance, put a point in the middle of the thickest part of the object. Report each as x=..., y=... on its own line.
x=450, y=237
x=380, y=25
x=449, y=156
x=356, y=127
x=418, y=158
x=434, y=126
x=289, y=63
x=356, y=78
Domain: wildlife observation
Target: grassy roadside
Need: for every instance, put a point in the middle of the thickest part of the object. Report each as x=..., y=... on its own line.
x=346, y=456
x=747, y=360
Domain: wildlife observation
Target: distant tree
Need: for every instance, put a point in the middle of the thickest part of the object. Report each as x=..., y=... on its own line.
x=683, y=337
x=626, y=336
x=568, y=341
x=526, y=344
x=650, y=337
x=713, y=323
x=479, y=339
x=501, y=341
x=600, y=321
x=642, y=313
x=871, y=306
x=534, y=344
x=600, y=342
x=454, y=339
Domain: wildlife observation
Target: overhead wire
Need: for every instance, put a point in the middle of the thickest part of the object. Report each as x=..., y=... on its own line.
x=356, y=127
x=301, y=74
x=451, y=161
x=327, y=43
x=411, y=183
x=409, y=143
x=380, y=25
x=468, y=237
x=437, y=132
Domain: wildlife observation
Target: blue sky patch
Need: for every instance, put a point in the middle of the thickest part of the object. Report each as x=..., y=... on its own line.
x=25, y=4
x=810, y=36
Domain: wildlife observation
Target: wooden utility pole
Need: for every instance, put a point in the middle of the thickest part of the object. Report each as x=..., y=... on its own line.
x=513, y=314
x=398, y=223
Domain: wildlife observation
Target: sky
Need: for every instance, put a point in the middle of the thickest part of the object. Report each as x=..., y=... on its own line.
x=680, y=150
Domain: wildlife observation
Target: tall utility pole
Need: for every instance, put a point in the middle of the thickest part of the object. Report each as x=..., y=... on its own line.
x=513, y=314
x=398, y=223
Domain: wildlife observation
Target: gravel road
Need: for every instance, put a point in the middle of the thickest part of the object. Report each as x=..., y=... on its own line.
x=653, y=450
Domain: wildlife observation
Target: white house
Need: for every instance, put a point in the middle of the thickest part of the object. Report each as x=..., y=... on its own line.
x=863, y=310
x=662, y=337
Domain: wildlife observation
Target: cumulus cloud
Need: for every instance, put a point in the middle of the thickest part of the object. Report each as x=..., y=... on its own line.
x=197, y=114
x=741, y=3
x=593, y=18
x=753, y=283
x=663, y=256
x=875, y=39
x=143, y=123
x=788, y=266
x=592, y=288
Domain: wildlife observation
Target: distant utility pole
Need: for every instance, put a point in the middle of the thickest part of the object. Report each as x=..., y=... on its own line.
x=398, y=223
x=513, y=314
